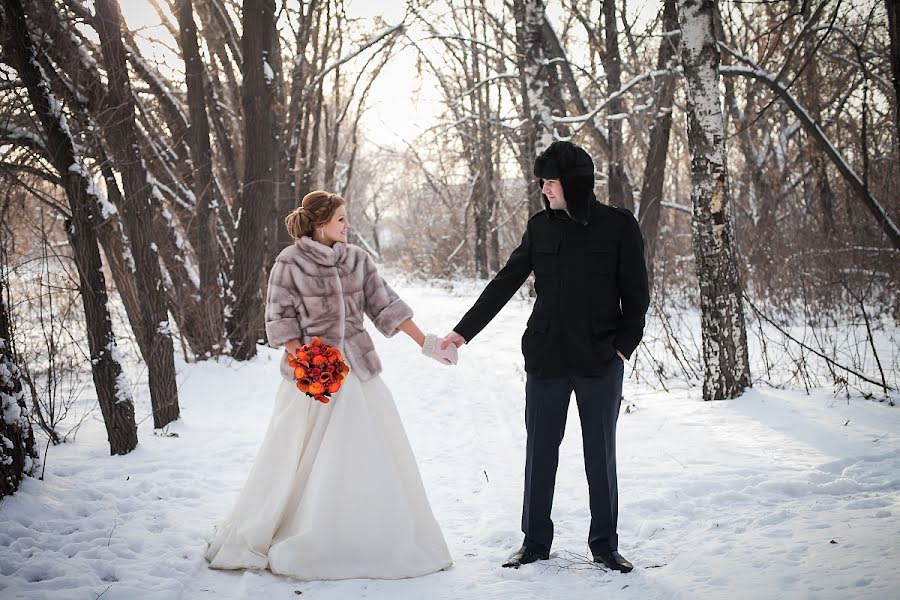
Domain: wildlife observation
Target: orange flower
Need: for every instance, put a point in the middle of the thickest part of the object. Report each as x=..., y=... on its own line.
x=319, y=369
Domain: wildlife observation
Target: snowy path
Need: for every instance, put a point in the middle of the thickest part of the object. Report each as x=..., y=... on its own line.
x=737, y=499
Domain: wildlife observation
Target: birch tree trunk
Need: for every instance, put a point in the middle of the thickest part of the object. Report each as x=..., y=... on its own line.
x=137, y=216
x=113, y=393
x=206, y=248
x=529, y=16
x=725, y=357
x=245, y=322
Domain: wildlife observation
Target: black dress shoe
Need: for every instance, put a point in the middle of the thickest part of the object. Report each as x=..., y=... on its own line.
x=525, y=555
x=615, y=561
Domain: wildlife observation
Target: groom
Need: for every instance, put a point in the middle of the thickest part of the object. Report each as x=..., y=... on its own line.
x=592, y=295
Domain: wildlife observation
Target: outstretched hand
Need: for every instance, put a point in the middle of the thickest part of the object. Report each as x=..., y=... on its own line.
x=432, y=348
x=453, y=338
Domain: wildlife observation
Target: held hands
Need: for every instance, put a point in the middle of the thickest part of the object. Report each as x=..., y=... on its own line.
x=453, y=339
x=433, y=348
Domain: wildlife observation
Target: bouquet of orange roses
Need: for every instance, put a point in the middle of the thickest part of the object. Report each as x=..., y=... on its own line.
x=319, y=369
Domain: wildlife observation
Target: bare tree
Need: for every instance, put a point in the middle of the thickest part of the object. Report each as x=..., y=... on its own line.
x=206, y=247
x=655, y=169
x=155, y=339
x=86, y=209
x=725, y=356
x=257, y=96
x=893, y=12
x=619, y=193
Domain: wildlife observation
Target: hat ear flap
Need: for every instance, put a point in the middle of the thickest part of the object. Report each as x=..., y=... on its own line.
x=545, y=167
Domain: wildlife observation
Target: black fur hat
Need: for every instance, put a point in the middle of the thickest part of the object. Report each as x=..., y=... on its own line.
x=575, y=170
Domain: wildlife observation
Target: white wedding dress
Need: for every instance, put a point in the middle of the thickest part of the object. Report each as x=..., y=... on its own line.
x=334, y=493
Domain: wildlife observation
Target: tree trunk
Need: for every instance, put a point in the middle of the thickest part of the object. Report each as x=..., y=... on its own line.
x=207, y=248
x=18, y=455
x=482, y=153
x=284, y=200
x=893, y=12
x=590, y=127
x=810, y=93
x=257, y=45
x=655, y=170
x=725, y=357
x=619, y=194
x=137, y=216
x=113, y=394
x=538, y=134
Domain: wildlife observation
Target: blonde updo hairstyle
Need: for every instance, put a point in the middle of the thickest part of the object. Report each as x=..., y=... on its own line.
x=315, y=210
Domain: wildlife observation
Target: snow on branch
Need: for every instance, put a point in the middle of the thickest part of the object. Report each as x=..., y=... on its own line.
x=483, y=82
x=362, y=48
x=620, y=92
x=17, y=136
x=462, y=38
x=152, y=78
x=857, y=47
x=814, y=130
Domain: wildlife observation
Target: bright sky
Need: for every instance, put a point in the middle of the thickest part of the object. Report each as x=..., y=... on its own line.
x=398, y=108
x=401, y=103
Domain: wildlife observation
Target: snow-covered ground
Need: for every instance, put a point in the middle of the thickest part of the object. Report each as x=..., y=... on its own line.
x=775, y=494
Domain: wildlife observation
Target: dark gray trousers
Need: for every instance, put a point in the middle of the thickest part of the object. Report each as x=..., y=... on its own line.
x=546, y=405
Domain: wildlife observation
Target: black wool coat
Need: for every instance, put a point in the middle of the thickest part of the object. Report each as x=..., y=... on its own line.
x=592, y=291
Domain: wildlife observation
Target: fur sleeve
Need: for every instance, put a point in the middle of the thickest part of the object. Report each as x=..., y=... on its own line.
x=281, y=317
x=383, y=305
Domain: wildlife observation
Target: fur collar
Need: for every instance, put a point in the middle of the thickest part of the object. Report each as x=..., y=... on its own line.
x=327, y=256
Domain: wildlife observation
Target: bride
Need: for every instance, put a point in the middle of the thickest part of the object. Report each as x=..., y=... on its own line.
x=334, y=491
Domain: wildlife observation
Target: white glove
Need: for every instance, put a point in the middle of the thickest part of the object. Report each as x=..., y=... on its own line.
x=432, y=348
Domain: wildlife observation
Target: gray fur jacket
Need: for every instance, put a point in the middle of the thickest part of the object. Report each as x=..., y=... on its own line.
x=320, y=291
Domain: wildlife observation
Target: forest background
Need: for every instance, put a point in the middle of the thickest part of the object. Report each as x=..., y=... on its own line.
x=150, y=150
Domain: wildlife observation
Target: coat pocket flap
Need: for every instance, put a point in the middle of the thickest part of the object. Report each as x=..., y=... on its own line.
x=538, y=324
x=547, y=247
x=599, y=326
